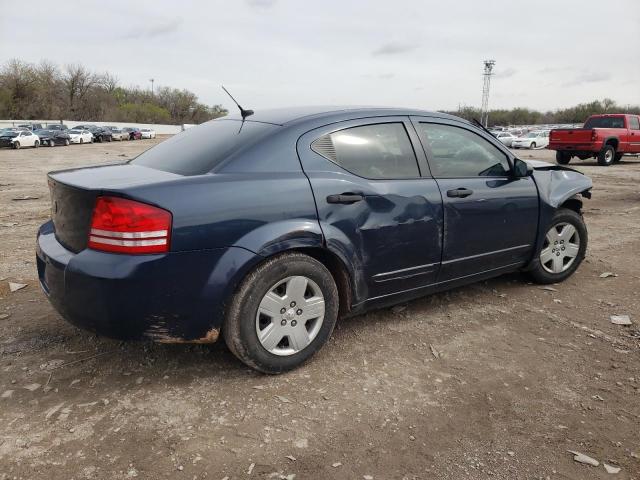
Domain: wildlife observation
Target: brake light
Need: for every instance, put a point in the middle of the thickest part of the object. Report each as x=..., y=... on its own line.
x=594, y=135
x=126, y=226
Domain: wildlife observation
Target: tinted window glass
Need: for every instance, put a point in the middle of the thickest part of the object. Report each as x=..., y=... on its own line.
x=634, y=123
x=199, y=149
x=371, y=151
x=457, y=152
x=605, y=122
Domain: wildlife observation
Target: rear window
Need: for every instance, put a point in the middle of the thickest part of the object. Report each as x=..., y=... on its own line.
x=605, y=122
x=200, y=149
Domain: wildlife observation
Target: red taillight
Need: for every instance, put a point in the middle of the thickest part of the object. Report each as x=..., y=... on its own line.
x=594, y=135
x=126, y=226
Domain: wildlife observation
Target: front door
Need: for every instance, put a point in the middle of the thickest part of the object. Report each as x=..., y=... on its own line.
x=374, y=204
x=634, y=134
x=490, y=216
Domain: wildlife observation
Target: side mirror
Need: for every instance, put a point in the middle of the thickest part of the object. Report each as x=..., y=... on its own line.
x=521, y=168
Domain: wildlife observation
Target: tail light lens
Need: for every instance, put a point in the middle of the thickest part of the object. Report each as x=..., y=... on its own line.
x=594, y=135
x=126, y=226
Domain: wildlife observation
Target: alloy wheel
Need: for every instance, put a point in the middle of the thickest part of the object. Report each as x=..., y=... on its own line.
x=560, y=249
x=290, y=315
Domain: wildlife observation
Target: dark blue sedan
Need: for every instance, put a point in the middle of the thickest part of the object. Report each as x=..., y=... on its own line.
x=269, y=228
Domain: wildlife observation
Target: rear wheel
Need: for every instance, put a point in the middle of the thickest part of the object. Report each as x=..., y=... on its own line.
x=563, y=158
x=563, y=248
x=283, y=312
x=606, y=156
x=533, y=145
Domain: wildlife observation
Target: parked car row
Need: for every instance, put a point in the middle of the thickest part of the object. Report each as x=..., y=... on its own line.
x=35, y=135
x=531, y=140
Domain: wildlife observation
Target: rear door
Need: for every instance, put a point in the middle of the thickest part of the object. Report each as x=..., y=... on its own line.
x=490, y=217
x=376, y=202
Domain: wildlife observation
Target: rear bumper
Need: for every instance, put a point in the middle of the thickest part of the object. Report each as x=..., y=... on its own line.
x=171, y=298
x=591, y=148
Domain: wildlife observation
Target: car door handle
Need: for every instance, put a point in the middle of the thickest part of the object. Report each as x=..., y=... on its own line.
x=345, y=198
x=459, y=193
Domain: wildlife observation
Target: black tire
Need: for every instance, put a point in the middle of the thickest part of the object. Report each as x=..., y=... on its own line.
x=606, y=156
x=537, y=270
x=563, y=158
x=239, y=328
x=533, y=145
x=81, y=141
x=16, y=145
x=66, y=142
x=36, y=144
x=618, y=157
x=52, y=143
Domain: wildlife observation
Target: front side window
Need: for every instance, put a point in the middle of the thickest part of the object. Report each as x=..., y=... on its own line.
x=380, y=151
x=458, y=152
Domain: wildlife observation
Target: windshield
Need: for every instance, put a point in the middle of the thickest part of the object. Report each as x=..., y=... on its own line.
x=198, y=150
x=605, y=122
x=75, y=131
x=532, y=135
x=9, y=134
x=42, y=132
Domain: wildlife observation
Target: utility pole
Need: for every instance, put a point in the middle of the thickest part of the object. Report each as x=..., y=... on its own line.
x=152, y=80
x=486, y=84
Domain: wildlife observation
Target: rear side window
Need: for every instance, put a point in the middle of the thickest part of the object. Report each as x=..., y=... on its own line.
x=634, y=123
x=198, y=150
x=380, y=151
x=605, y=122
x=458, y=152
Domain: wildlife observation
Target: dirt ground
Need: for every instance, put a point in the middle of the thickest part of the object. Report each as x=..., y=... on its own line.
x=495, y=380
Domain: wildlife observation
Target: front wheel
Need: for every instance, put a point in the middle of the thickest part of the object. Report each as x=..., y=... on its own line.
x=563, y=249
x=66, y=142
x=52, y=143
x=606, y=156
x=16, y=145
x=532, y=146
x=36, y=144
x=563, y=158
x=283, y=312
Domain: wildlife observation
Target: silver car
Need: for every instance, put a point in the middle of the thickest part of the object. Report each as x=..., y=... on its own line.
x=118, y=134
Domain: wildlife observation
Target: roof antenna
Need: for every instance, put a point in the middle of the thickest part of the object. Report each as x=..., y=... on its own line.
x=243, y=112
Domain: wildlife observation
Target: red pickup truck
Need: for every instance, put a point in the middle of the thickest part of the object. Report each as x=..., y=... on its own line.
x=605, y=137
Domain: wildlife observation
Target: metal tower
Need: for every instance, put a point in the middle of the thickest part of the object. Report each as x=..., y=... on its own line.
x=486, y=84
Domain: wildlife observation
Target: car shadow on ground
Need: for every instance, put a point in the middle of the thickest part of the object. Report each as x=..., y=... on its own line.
x=117, y=364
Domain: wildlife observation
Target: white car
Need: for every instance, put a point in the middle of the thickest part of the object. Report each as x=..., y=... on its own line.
x=539, y=139
x=19, y=138
x=80, y=136
x=505, y=137
x=147, y=133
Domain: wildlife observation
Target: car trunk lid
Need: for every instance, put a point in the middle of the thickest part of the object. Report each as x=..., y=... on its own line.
x=74, y=193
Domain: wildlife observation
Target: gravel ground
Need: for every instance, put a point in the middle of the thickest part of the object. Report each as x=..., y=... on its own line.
x=495, y=380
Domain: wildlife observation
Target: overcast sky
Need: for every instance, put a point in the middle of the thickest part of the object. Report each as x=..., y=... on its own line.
x=423, y=53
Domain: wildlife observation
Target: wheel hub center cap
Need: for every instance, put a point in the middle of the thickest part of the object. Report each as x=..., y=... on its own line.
x=290, y=314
